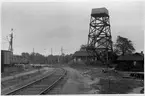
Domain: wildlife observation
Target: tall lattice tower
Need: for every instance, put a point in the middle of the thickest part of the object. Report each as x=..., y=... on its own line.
x=99, y=38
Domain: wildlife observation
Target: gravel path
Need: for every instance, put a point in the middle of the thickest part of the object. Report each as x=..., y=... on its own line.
x=77, y=83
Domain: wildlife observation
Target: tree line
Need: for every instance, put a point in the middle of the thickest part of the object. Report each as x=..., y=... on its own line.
x=37, y=58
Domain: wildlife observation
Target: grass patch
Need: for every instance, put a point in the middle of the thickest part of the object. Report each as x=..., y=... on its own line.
x=12, y=70
x=19, y=80
x=110, y=82
x=117, y=86
x=113, y=83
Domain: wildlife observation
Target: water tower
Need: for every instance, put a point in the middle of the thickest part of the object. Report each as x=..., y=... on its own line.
x=99, y=37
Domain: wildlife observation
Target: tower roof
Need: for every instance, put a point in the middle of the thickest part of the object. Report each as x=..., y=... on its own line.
x=99, y=12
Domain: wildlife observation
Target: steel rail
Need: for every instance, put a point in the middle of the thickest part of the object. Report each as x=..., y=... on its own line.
x=53, y=84
x=29, y=84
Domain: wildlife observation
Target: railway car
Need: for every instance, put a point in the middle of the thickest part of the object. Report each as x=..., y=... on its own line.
x=17, y=59
x=6, y=57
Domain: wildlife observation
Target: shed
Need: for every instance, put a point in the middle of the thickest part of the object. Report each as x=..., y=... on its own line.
x=131, y=57
x=131, y=62
x=82, y=55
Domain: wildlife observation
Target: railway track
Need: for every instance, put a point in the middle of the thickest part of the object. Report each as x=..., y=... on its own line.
x=40, y=86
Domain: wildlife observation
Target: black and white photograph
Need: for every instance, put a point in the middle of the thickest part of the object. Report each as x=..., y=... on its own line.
x=66, y=47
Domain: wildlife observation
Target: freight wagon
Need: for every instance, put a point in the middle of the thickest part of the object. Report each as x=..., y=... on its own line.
x=17, y=59
x=6, y=57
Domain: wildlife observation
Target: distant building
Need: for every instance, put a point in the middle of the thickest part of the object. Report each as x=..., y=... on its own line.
x=82, y=55
x=131, y=62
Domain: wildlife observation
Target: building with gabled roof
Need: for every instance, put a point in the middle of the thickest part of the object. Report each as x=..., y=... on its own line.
x=82, y=55
x=131, y=57
x=131, y=62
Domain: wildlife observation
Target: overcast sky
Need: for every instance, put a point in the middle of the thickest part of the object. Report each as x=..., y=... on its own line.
x=54, y=24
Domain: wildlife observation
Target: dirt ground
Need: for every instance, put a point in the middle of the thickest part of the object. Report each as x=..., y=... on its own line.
x=77, y=83
x=91, y=80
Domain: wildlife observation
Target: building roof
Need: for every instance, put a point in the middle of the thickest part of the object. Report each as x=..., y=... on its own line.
x=131, y=57
x=82, y=53
x=5, y=51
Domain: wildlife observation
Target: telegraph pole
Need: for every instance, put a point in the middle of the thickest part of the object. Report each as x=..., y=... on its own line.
x=45, y=50
x=62, y=51
x=33, y=56
x=52, y=56
x=62, y=54
x=33, y=50
x=51, y=51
